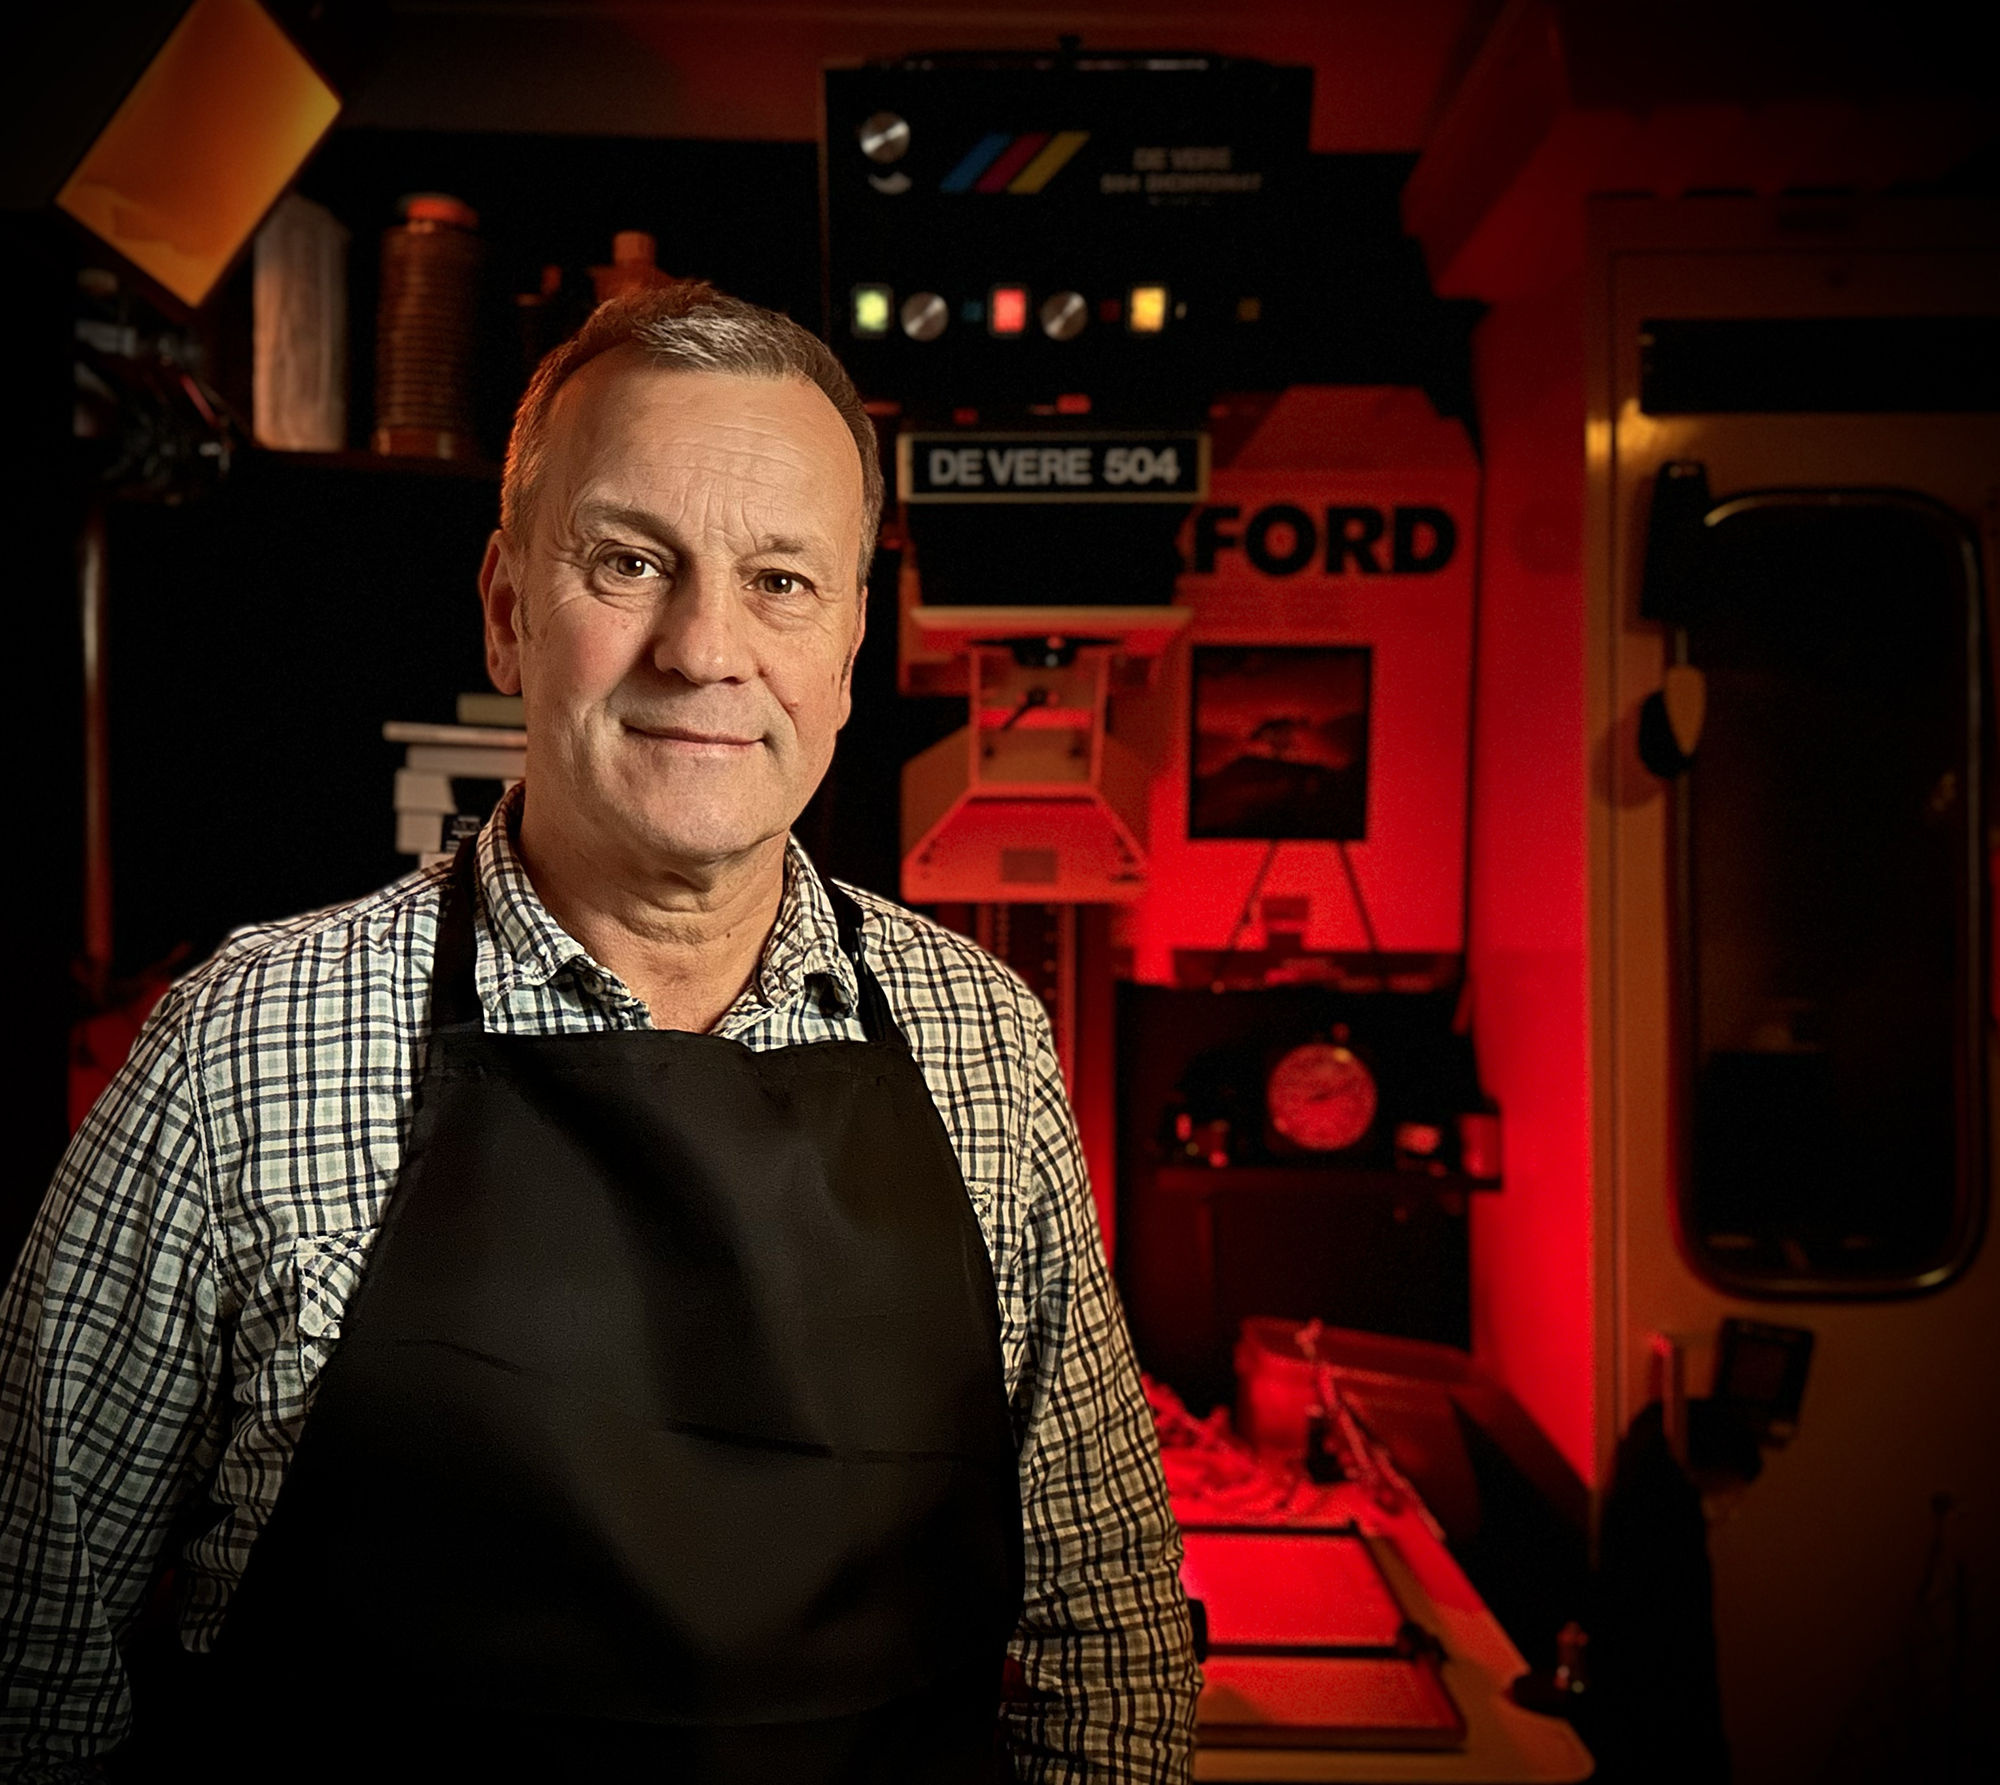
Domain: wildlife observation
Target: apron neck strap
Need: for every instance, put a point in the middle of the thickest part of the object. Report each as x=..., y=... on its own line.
x=877, y=1021
x=454, y=982
x=455, y=987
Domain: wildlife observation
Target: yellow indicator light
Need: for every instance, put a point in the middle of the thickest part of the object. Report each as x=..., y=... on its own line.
x=1146, y=309
x=871, y=309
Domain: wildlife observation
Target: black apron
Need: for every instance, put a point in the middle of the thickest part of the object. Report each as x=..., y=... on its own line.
x=665, y=1434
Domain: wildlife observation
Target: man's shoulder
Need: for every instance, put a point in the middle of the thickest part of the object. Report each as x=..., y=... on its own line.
x=373, y=938
x=925, y=966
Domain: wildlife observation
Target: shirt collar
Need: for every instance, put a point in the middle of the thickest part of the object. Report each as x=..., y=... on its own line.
x=523, y=948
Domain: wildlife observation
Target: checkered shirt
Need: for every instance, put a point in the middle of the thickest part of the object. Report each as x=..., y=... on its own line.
x=183, y=1289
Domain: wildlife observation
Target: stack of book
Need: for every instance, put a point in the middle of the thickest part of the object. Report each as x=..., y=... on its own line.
x=453, y=775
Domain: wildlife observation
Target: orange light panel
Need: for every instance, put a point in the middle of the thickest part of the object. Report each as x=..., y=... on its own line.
x=201, y=148
x=1146, y=309
x=1007, y=309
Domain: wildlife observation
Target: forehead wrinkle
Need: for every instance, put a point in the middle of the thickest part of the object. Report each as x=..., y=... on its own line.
x=766, y=463
x=606, y=516
x=763, y=459
x=766, y=448
x=678, y=470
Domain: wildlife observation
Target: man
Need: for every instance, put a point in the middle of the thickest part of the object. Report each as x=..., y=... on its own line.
x=618, y=1305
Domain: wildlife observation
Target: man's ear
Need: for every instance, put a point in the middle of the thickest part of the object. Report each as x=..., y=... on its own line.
x=501, y=600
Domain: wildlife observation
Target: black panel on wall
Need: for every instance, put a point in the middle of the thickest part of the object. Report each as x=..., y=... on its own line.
x=258, y=640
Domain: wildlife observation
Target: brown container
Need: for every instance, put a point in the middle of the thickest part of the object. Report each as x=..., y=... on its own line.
x=425, y=330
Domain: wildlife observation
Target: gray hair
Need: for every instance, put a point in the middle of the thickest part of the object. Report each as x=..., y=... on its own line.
x=690, y=325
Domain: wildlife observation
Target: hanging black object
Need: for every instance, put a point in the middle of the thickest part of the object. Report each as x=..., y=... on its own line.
x=1674, y=590
x=1676, y=533
x=1655, y=1711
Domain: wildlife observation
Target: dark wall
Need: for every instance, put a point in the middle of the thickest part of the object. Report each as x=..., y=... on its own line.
x=1356, y=306
x=259, y=638
x=40, y=510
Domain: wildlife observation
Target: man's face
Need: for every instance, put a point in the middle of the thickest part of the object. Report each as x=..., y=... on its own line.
x=684, y=612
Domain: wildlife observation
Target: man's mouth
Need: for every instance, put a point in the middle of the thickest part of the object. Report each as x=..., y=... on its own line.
x=693, y=735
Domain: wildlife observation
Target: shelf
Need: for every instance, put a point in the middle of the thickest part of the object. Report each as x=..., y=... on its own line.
x=1344, y=970
x=1252, y=1180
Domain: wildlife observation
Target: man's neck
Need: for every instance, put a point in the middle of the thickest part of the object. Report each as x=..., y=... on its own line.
x=685, y=942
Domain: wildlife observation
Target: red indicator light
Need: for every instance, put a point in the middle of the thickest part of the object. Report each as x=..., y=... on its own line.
x=1007, y=309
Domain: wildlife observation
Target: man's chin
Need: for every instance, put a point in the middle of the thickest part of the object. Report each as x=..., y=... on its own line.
x=682, y=822
x=685, y=839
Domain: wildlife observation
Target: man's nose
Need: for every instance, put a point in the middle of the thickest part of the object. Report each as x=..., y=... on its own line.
x=702, y=631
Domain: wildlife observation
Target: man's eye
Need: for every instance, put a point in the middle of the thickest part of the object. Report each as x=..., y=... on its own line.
x=781, y=582
x=629, y=566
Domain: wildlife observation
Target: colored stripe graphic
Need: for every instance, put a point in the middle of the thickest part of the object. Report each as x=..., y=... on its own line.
x=961, y=177
x=1050, y=162
x=1025, y=147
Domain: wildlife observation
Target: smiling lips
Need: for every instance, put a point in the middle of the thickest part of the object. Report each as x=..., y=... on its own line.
x=685, y=734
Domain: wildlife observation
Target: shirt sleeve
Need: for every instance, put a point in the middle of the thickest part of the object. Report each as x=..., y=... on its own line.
x=1104, y=1642
x=109, y=1365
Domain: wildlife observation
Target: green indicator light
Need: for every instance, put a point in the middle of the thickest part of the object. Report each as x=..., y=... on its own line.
x=871, y=309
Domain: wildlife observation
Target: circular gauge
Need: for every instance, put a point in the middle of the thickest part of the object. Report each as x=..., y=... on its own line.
x=884, y=138
x=924, y=316
x=1064, y=315
x=1321, y=1096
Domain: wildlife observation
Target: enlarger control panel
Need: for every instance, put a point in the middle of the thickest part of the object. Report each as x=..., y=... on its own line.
x=1010, y=230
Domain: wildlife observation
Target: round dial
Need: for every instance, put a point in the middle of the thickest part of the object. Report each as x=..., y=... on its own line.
x=884, y=137
x=1321, y=1096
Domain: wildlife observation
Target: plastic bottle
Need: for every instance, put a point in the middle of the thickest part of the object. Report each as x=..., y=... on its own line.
x=632, y=267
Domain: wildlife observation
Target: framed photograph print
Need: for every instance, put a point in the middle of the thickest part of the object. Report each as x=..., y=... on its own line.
x=1280, y=742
